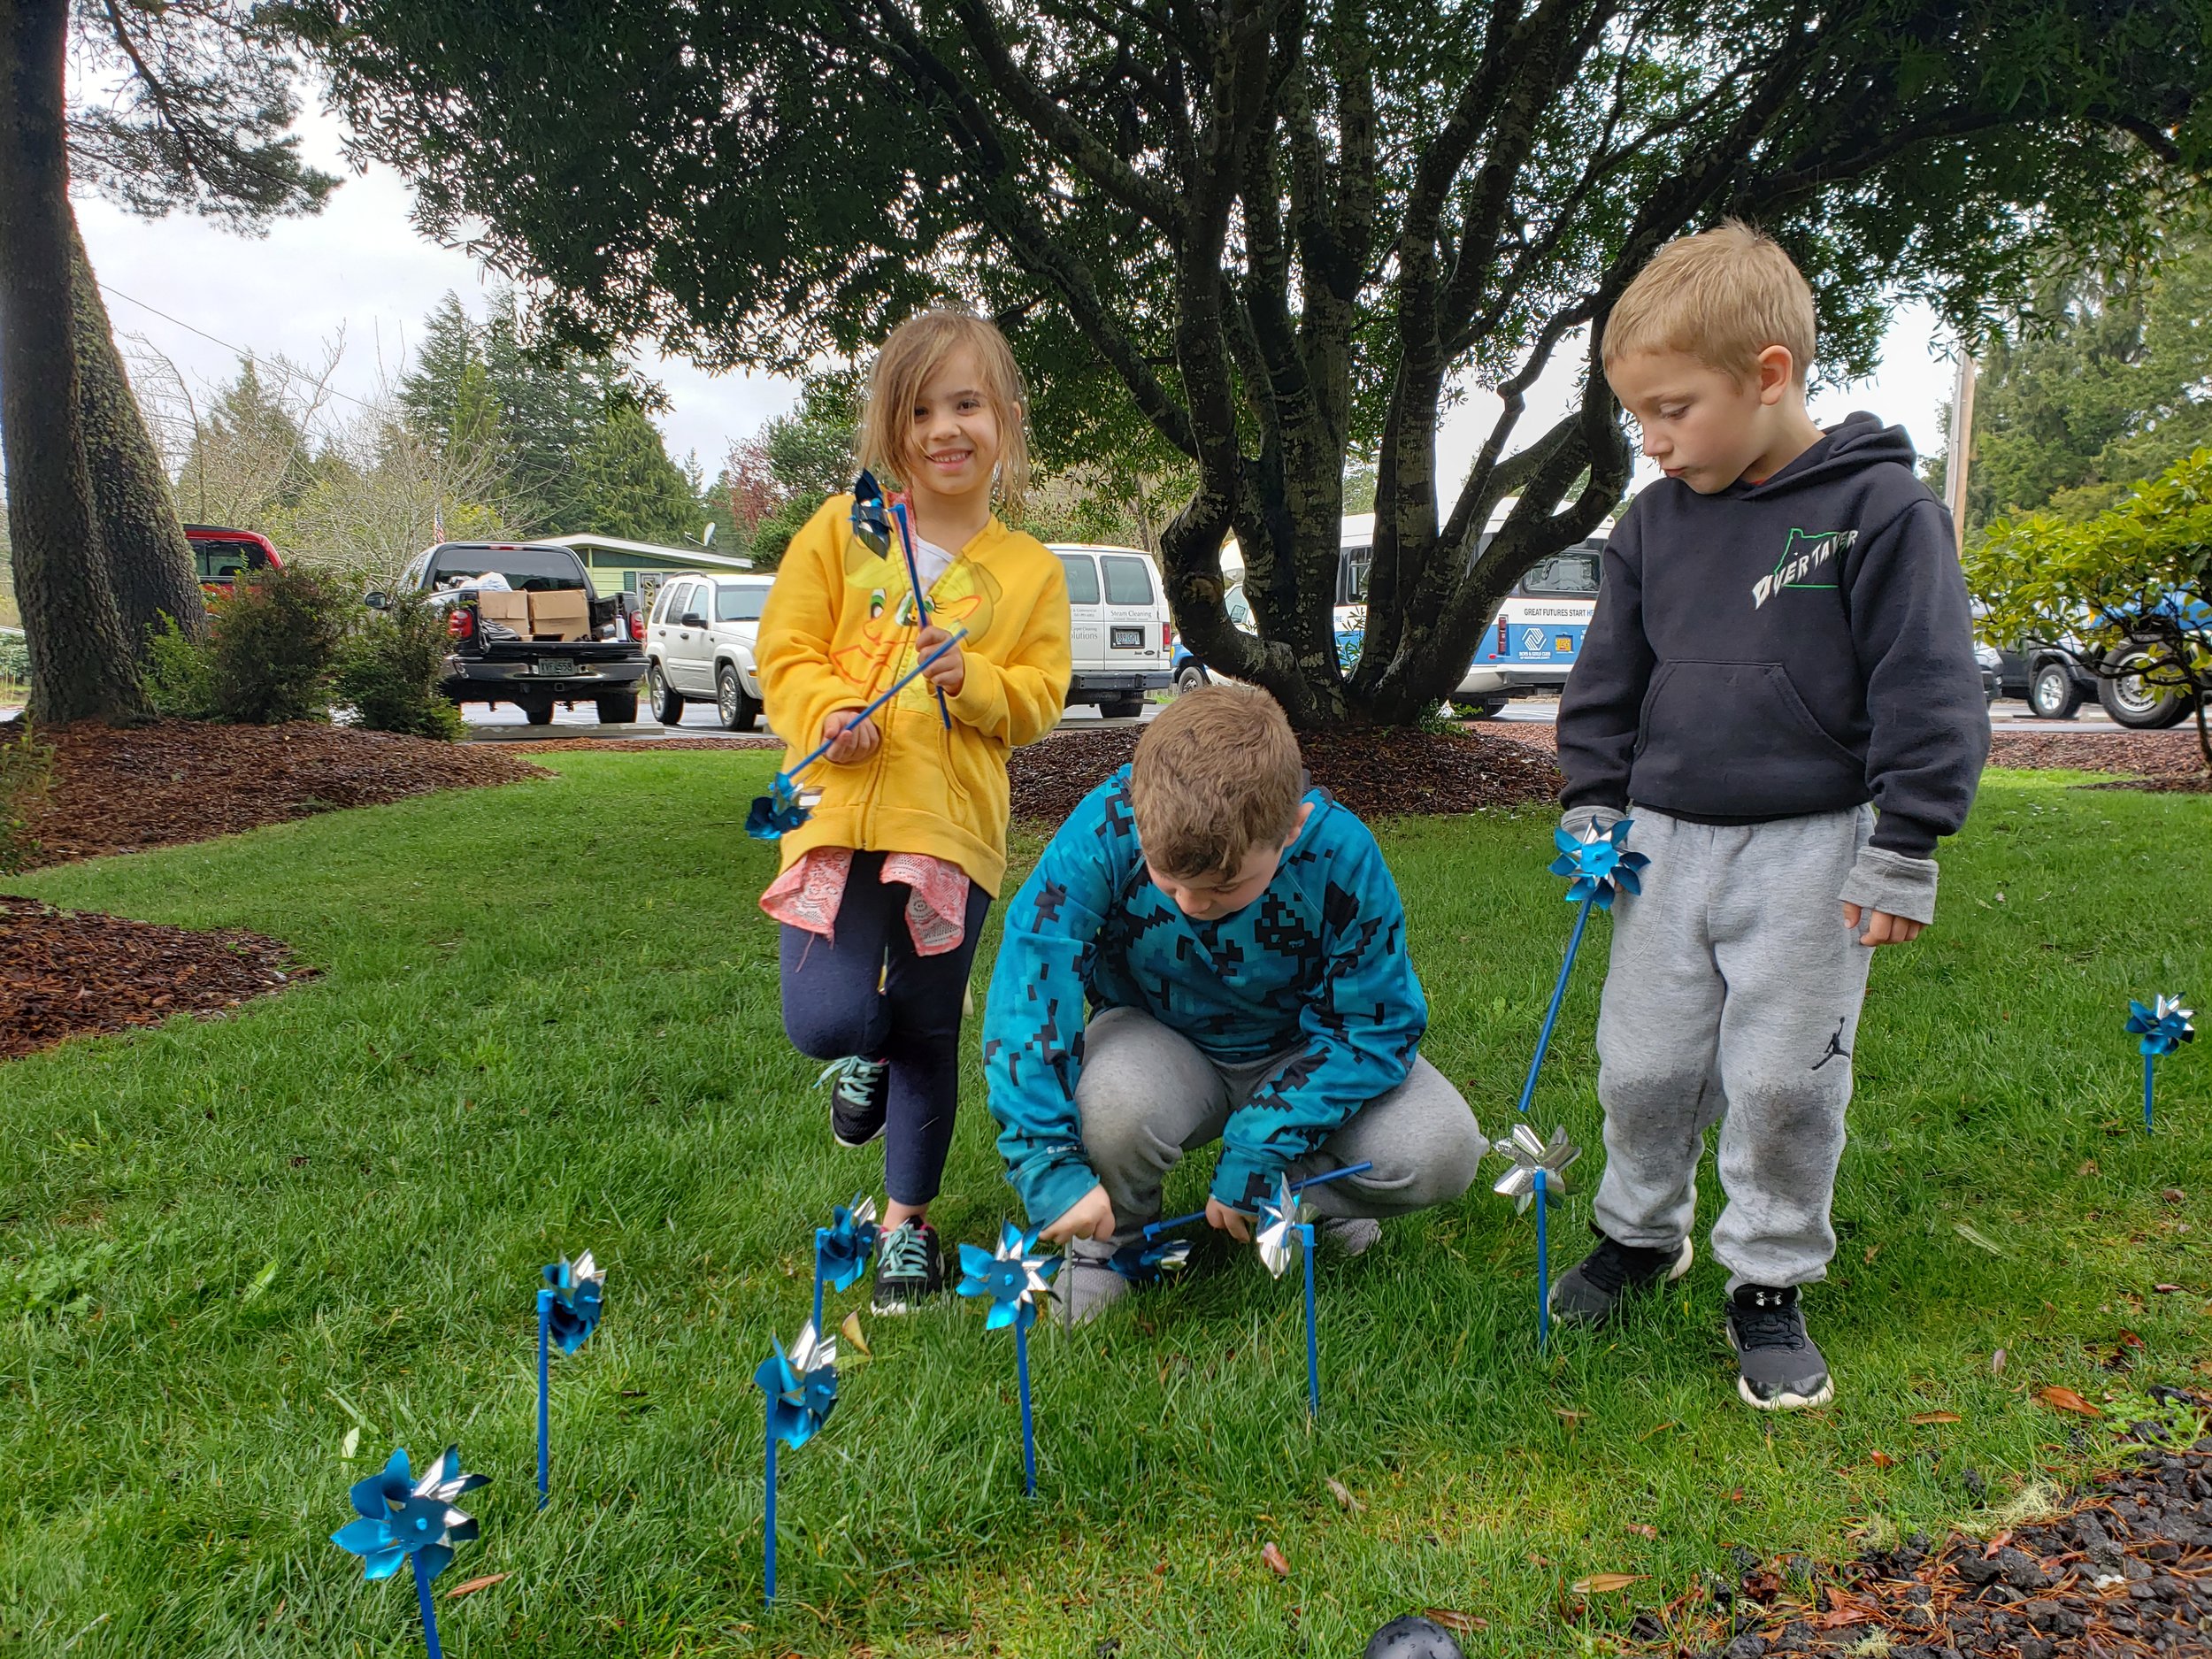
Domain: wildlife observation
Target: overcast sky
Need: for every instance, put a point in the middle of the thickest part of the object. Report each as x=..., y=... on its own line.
x=360, y=269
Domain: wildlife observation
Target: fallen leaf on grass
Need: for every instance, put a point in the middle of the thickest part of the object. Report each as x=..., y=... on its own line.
x=2066, y=1400
x=2166, y=1290
x=1979, y=1239
x=1997, y=1363
x=1604, y=1583
x=474, y=1585
x=1880, y=1460
x=1459, y=1623
x=1846, y=1615
x=1657, y=1428
x=2173, y=1194
x=1644, y=1529
x=1273, y=1557
x=2128, y=1339
x=1342, y=1493
x=1925, y=1418
x=850, y=1330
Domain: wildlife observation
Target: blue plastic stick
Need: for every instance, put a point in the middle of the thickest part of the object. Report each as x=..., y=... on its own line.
x=2147, y=1093
x=914, y=581
x=1154, y=1229
x=821, y=1236
x=1313, y=1340
x=768, y=1533
x=429, y=1609
x=1558, y=996
x=897, y=686
x=1029, y=1432
x=1543, y=1267
x=545, y=1454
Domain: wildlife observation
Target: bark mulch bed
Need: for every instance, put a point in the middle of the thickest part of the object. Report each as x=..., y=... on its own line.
x=637, y=746
x=2126, y=1572
x=72, y=973
x=1378, y=774
x=124, y=790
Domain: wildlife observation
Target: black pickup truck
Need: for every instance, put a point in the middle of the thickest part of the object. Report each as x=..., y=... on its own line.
x=546, y=637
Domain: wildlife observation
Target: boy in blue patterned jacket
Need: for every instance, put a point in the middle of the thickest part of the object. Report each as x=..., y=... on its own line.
x=1207, y=950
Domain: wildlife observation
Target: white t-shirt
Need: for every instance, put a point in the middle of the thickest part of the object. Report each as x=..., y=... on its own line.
x=930, y=560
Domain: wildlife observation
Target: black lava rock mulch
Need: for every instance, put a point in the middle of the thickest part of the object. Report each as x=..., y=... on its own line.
x=1377, y=773
x=2126, y=1573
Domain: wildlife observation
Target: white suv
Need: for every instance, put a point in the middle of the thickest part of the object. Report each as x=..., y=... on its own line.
x=699, y=645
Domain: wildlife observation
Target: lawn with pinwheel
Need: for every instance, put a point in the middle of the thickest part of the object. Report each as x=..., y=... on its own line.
x=246, y=1259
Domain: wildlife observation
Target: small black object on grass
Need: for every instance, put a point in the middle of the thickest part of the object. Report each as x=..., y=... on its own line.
x=1412, y=1637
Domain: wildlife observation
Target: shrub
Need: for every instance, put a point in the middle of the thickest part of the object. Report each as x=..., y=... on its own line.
x=27, y=773
x=15, y=658
x=275, y=647
x=179, y=673
x=390, y=669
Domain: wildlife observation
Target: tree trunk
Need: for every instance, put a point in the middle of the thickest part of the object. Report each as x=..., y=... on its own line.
x=148, y=559
x=80, y=661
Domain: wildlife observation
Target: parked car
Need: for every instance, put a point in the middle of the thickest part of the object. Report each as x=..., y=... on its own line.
x=1119, y=633
x=532, y=631
x=699, y=643
x=222, y=555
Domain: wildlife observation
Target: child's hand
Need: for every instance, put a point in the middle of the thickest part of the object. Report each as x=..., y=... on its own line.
x=1224, y=1220
x=1089, y=1217
x=950, y=671
x=1882, y=928
x=853, y=743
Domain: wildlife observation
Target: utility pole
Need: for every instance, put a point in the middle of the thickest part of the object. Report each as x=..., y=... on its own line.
x=1960, y=453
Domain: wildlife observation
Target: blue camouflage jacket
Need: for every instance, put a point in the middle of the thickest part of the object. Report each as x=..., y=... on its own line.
x=1313, y=972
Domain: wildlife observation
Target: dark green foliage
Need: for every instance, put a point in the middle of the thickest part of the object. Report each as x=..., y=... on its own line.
x=26, y=771
x=389, y=670
x=624, y=484
x=274, y=647
x=179, y=673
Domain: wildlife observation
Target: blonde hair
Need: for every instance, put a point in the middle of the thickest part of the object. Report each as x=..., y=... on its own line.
x=1722, y=296
x=1215, y=776
x=909, y=358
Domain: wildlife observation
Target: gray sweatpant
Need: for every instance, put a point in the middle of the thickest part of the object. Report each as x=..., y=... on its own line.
x=1733, y=998
x=1148, y=1094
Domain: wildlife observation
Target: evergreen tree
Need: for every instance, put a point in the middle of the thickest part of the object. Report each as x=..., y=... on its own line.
x=624, y=484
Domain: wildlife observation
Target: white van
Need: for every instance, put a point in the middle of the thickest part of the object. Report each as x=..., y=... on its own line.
x=1118, y=627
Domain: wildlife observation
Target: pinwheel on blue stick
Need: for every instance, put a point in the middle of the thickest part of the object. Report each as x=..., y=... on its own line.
x=568, y=1313
x=1280, y=1218
x=1011, y=1279
x=801, y=1388
x=1599, y=864
x=842, y=1248
x=1147, y=1263
x=2163, y=1027
x=873, y=521
x=411, y=1520
x=1539, y=1174
x=1154, y=1229
x=785, y=806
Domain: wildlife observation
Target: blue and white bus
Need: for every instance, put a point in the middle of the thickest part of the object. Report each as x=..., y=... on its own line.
x=1526, y=649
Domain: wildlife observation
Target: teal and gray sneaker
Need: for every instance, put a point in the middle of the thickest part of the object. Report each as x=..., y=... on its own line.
x=909, y=1268
x=859, y=1097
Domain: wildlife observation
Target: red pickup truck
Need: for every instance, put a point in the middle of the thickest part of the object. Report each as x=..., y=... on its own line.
x=222, y=555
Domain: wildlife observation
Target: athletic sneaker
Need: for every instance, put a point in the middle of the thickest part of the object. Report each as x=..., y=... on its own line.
x=1588, y=1292
x=859, y=1100
x=909, y=1268
x=1781, y=1370
x=1087, y=1284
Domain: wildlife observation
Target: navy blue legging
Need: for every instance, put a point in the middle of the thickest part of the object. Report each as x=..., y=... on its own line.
x=832, y=1008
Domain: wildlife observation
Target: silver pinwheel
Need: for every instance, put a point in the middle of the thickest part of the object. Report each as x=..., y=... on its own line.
x=1538, y=1175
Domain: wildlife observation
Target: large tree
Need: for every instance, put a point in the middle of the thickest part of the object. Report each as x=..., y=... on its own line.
x=1280, y=232
x=182, y=105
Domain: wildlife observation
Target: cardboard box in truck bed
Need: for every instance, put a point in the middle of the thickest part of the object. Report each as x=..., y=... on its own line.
x=564, y=614
x=510, y=610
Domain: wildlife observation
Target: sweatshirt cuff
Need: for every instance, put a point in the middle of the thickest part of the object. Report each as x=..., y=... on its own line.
x=1051, y=1183
x=1242, y=1179
x=981, y=695
x=1579, y=821
x=1893, y=883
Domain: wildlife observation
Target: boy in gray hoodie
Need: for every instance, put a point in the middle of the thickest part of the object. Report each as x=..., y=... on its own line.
x=1779, y=685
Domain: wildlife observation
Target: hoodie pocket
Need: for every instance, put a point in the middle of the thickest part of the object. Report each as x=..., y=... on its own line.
x=1735, y=740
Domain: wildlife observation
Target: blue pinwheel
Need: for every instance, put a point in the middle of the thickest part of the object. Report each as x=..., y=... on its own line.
x=411, y=1520
x=2163, y=1028
x=842, y=1248
x=1598, y=866
x=1539, y=1174
x=1147, y=1263
x=801, y=1388
x=1011, y=1279
x=568, y=1313
x=1281, y=1216
x=785, y=806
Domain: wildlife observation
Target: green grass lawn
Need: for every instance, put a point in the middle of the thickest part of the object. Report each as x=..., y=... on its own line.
x=546, y=1021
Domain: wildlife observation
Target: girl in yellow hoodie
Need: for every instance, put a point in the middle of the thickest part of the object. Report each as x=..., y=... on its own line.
x=883, y=891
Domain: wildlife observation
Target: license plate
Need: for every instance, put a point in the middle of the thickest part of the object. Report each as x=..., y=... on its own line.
x=554, y=667
x=1128, y=639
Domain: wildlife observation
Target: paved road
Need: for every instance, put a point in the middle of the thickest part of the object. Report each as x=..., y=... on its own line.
x=2004, y=714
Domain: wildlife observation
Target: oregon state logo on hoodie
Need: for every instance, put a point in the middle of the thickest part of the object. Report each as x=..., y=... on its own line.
x=1807, y=556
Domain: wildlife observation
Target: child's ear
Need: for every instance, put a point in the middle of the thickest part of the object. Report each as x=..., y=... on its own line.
x=1778, y=372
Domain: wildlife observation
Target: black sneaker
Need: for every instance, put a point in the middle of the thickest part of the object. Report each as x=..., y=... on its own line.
x=909, y=1268
x=1588, y=1292
x=1781, y=1369
x=859, y=1098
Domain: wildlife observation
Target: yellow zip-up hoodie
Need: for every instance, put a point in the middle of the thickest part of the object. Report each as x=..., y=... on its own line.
x=839, y=628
